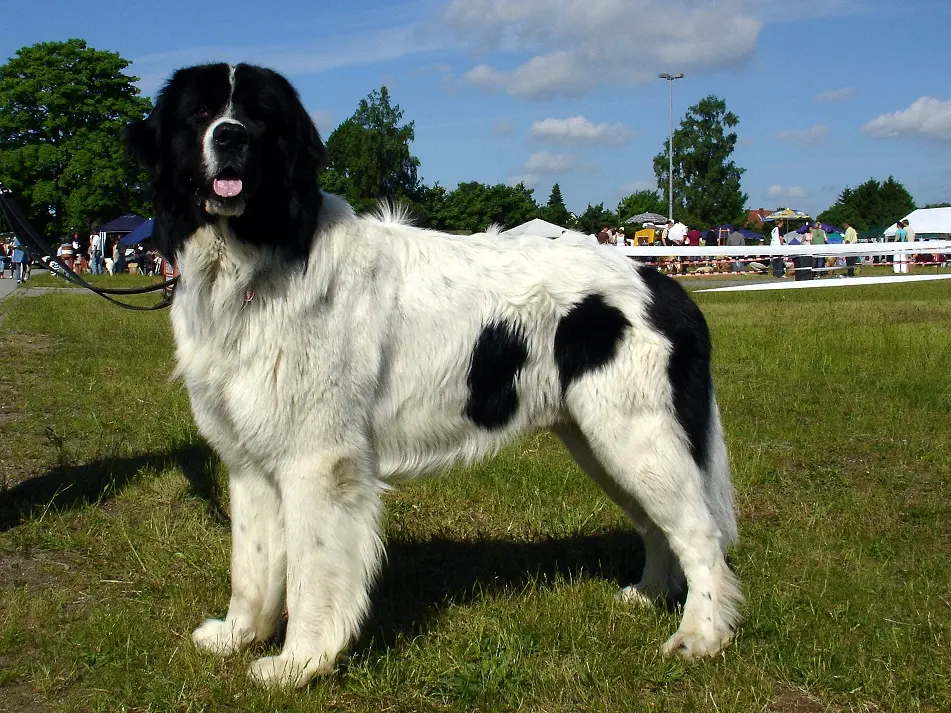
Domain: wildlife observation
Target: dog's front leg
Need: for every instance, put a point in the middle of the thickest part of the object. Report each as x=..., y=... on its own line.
x=258, y=565
x=331, y=517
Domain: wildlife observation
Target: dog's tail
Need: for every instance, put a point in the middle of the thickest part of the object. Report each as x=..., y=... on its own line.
x=717, y=484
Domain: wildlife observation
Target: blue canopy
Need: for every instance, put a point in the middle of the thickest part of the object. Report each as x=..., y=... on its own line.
x=143, y=232
x=123, y=224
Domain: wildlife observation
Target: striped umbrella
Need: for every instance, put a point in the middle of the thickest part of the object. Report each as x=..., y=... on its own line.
x=787, y=214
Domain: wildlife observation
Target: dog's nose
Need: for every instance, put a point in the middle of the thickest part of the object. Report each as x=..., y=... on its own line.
x=230, y=136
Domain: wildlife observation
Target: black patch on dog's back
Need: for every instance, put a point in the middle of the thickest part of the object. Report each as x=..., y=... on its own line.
x=672, y=313
x=498, y=356
x=587, y=338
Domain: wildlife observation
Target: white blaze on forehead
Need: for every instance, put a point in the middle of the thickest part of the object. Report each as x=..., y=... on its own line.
x=210, y=159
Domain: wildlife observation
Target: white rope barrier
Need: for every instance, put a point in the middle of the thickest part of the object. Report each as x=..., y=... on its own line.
x=824, y=250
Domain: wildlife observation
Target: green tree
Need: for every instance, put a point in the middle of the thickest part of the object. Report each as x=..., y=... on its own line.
x=594, y=218
x=369, y=158
x=62, y=109
x=473, y=206
x=644, y=201
x=870, y=205
x=706, y=181
x=555, y=211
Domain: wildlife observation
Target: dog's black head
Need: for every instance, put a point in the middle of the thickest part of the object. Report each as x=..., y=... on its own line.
x=231, y=142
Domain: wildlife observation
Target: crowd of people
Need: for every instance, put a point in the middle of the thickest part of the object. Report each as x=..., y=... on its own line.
x=810, y=233
x=96, y=255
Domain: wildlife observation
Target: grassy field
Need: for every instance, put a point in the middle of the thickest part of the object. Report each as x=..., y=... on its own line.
x=498, y=589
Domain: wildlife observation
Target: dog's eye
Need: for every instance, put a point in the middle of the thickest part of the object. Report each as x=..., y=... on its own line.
x=200, y=112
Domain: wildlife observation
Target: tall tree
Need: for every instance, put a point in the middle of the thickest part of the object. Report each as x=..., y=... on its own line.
x=473, y=206
x=555, y=211
x=369, y=158
x=706, y=181
x=62, y=109
x=870, y=205
x=594, y=218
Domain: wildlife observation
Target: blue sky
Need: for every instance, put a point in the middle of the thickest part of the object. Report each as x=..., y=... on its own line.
x=828, y=93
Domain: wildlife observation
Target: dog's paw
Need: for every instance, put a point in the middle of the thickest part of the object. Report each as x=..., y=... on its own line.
x=694, y=644
x=224, y=638
x=286, y=671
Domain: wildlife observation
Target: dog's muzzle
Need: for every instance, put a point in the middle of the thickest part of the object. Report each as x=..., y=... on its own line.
x=226, y=154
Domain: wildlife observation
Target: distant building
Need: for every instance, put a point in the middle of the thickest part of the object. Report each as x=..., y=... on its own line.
x=754, y=217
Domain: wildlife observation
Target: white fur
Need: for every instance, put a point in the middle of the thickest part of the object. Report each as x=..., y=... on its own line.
x=319, y=383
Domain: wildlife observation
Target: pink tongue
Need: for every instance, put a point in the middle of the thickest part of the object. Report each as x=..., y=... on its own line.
x=226, y=187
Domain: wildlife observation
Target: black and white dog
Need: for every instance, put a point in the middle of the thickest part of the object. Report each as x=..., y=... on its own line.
x=326, y=353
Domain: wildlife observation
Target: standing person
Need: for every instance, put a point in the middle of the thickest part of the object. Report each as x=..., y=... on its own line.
x=850, y=238
x=3, y=259
x=665, y=233
x=819, y=238
x=66, y=253
x=900, y=264
x=911, y=237
x=736, y=240
x=677, y=235
x=95, y=253
x=779, y=262
x=19, y=261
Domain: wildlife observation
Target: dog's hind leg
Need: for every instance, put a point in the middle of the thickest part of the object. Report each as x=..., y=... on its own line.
x=331, y=518
x=661, y=576
x=257, y=565
x=647, y=461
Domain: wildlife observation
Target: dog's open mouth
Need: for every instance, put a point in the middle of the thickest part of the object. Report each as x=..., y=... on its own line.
x=227, y=184
x=227, y=194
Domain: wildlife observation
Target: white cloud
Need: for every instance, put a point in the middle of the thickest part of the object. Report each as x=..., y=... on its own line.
x=600, y=42
x=786, y=195
x=485, y=77
x=344, y=49
x=579, y=131
x=835, y=95
x=805, y=137
x=543, y=162
x=927, y=118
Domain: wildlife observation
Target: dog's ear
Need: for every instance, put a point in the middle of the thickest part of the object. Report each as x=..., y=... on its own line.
x=141, y=140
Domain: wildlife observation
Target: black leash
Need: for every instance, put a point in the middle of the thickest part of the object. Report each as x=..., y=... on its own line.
x=37, y=246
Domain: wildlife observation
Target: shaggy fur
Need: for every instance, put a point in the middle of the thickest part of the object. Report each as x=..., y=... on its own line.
x=326, y=353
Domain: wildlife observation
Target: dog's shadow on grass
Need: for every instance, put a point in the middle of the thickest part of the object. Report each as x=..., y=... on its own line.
x=421, y=578
x=66, y=487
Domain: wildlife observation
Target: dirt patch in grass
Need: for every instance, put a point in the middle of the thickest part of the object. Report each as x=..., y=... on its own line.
x=20, y=697
x=35, y=569
x=793, y=701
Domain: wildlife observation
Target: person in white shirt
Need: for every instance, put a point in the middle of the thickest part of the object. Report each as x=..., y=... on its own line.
x=779, y=262
x=910, y=237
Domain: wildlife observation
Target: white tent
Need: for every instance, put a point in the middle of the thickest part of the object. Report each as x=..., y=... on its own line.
x=927, y=223
x=542, y=228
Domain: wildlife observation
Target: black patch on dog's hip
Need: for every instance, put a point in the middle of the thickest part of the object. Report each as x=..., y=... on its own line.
x=587, y=338
x=672, y=313
x=499, y=354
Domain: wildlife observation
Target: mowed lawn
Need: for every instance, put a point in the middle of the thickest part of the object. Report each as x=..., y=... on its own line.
x=498, y=590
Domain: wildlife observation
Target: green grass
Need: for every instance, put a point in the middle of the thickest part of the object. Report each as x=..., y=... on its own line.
x=498, y=589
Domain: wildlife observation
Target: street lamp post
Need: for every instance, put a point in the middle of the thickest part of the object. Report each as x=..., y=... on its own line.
x=670, y=142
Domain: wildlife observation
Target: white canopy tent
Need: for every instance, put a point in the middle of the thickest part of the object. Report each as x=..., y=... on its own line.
x=927, y=223
x=544, y=229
